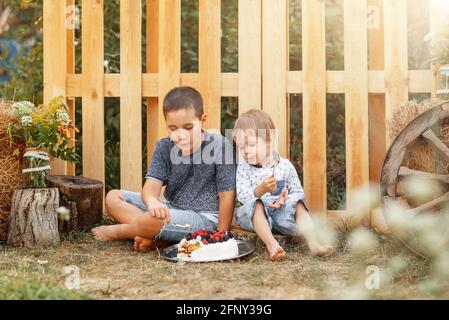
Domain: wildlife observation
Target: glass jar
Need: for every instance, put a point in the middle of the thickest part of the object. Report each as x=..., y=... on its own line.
x=443, y=80
x=35, y=167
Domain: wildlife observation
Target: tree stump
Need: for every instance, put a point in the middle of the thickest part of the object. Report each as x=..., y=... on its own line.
x=83, y=197
x=33, y=219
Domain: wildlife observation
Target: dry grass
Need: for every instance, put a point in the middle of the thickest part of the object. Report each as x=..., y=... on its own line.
x=114, y=271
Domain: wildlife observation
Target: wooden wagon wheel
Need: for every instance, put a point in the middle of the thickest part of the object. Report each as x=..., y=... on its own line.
x=422, y=127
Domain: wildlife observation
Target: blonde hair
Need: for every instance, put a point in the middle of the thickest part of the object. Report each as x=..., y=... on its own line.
x=257, y=122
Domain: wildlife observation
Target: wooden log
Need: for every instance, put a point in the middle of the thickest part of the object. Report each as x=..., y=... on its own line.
x=33, y=219
x=83, y=197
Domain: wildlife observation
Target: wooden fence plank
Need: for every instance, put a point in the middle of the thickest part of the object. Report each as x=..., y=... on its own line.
x=150, y=87
x=314, y=102
x=275, y=66
x=437, y=20
x=377, y=129
x=356, y=98
x=250, y=55
x=169, y=54
x=93, y=89
x=376, y=101
x=55, y=60
x=152, y=50
x=130, y=95
x=396, y=55
x=210, y=59
x=419, y=81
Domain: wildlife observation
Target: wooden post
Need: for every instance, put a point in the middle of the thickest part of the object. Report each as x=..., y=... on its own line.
x=250, y=55
x=377, y=118
x=274, y=67
x=356, y=104
x=55, y=60
x=396, y=56
x=210, y=60
x=169, y=54
x=33, y=219
x=93, y=89
x=314, y=102
x=154, y=116
x=130, y=95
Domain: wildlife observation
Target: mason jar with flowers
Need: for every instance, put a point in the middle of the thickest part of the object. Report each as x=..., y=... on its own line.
x=43, y=132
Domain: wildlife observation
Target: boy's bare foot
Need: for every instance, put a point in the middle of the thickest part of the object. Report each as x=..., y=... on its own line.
x=144, y=245
x=276, y=253
x=321, y=251
x=104, y=233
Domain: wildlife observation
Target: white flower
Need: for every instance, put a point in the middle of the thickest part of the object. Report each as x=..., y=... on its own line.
x=62, y=116
x=362, y=241
x=355, y=292
x=23, y=108
x=64, y=213
x=26, y=121
x=363, y=200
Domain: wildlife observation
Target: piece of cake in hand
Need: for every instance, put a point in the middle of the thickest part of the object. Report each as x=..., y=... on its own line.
x=205, y=245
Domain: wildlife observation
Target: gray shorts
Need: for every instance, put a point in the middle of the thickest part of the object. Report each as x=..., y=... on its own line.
x=182, y=221
x=282, y=220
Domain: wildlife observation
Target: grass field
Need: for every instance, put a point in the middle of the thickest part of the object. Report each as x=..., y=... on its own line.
x=115, y=271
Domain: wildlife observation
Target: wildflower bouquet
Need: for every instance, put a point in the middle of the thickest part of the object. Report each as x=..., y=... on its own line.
x=43, y=130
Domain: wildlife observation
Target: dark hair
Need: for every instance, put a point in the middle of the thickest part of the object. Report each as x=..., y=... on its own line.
x=183, y=98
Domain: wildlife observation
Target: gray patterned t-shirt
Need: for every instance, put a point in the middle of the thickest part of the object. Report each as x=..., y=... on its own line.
x=193, y=182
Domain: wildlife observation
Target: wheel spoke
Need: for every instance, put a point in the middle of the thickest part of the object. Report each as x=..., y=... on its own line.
x=431, y=205
x=407, y=172
x=439, y=146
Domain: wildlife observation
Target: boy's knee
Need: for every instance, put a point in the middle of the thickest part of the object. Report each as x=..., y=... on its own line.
x=259, y=208
x=112, y=197
x=259, y=205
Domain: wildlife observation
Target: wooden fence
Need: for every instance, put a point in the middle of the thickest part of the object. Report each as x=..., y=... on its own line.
x=373, y=86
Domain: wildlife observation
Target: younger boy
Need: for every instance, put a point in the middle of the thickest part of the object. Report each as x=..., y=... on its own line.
x=268, y=187
x=198, y=171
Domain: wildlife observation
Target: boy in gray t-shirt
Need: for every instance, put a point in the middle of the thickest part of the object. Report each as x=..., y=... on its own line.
x=198, y=171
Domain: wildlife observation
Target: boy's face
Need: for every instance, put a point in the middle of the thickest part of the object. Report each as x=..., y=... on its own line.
x=185, y=128
x=252, y=148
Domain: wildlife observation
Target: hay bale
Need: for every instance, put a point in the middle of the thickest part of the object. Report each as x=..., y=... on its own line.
x=10, y=169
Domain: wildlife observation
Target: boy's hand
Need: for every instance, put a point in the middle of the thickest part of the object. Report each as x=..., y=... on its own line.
x=268, y=185
x=158, y=210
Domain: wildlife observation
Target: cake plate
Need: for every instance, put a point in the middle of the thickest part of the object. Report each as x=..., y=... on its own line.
x=245, y=248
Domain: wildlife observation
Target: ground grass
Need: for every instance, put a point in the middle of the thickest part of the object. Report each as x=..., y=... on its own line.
x=115, y=271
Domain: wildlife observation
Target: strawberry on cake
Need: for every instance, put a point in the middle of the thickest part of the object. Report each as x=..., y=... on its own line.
x=205, y=245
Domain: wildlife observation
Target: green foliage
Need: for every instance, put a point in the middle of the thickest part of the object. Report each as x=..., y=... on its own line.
x=24, y=288
x=26, y=82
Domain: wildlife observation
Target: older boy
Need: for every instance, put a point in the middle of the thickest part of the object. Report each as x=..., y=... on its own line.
x=198, y=171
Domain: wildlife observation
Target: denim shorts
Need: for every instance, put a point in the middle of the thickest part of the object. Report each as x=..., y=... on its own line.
x=281, y=220
x=181, y=223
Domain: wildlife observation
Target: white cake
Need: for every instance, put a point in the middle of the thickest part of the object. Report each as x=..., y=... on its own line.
x=199, y=250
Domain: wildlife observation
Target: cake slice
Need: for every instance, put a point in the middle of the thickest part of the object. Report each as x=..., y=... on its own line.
x=204, y=245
